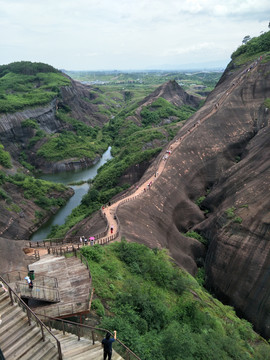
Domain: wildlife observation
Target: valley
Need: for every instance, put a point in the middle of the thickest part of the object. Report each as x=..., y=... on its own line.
x=200, y=228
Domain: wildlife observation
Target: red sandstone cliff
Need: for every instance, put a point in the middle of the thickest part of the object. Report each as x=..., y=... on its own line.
x=224, y=157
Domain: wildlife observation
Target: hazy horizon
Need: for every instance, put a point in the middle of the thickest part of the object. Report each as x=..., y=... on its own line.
x=97, y=35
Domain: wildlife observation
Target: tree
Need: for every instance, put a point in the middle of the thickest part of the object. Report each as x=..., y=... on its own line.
x=246, y=39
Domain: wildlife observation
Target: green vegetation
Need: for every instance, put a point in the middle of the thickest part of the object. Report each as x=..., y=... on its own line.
x=5, y=159
x=238, y=220
x=78, y=142
x=42, y=192
x=31, y=123
x=24, y=84
x=200, y=200
x=195, y=235
x=230, y=212
x=253, y=48
x=267, y=103
x=131, y=145
x=134, y=85
x=161, y=312
x=162, y=109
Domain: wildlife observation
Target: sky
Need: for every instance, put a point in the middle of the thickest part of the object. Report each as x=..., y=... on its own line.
x=128, y=34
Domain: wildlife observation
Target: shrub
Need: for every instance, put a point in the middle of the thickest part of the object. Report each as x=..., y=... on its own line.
x=238, y=220
x=5, y=158
x=200, y=200
x=94, y=253
x=97, y=305
x=31, y=123
x=195, y=235
x=230, y=212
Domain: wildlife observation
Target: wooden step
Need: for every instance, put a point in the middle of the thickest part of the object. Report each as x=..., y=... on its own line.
x=41, y=350
x=23, y=341
x=12, y=335
x=10, y=323
x=81, y=350
x=27, y=345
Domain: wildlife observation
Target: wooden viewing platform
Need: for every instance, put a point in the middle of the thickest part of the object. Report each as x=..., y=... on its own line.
x=38, y=292
x=74, y=285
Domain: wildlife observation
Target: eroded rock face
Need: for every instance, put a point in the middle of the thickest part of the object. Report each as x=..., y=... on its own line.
x=223, y=155
x=12, y=256
x=76, y=97
x=15, y=137
x=18, y=216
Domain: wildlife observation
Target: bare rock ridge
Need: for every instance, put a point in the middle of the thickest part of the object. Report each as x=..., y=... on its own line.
x=224, y=157
x=171, y=92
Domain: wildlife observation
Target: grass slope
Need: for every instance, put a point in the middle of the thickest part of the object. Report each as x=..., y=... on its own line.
x=25, y=84
x=161, y=312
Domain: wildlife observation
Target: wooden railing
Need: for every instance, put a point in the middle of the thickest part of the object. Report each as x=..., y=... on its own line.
x=13, y=276
x=31, y=315
x=94, y=333
x=38, y=292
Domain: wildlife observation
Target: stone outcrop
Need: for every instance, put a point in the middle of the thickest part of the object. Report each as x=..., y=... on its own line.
x=224, y=157
x=78, y=97
x=18, y=216
x=15, y=137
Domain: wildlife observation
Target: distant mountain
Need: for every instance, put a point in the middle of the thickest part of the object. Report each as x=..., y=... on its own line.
x=169, y=91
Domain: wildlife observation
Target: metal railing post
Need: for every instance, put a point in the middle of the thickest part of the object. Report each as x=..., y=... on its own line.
x=10, y=295
x=59, y=351
x=29, y=318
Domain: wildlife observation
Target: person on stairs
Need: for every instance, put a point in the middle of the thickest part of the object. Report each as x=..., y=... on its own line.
x=107, y=345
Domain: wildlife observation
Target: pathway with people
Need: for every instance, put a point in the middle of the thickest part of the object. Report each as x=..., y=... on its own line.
x=110, y=211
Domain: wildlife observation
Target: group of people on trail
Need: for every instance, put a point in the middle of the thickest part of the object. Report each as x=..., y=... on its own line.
x=83, y=240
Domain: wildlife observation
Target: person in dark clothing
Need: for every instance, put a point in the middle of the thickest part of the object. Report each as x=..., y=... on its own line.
x=107, y=345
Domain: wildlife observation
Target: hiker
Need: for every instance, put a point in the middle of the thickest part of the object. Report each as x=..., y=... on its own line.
x=111, y=229
x=107, y=345
x=31, y=285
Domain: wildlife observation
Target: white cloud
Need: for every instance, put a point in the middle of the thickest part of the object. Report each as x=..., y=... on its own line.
x=126, y=33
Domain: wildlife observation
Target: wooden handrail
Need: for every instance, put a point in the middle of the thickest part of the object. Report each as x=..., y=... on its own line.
x=22, y=274
x=93, y=329
x=30, y=314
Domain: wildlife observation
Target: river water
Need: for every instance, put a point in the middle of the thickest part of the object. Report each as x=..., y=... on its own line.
x=68, y=177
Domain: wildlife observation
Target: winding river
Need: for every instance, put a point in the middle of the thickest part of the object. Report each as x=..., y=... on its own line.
x=66, y=178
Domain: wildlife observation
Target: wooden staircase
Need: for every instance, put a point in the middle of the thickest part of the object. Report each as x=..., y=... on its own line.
x=18, y=338
x=83, y=349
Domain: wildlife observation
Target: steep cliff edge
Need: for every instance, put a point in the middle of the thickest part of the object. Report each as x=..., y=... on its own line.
x=223, y=154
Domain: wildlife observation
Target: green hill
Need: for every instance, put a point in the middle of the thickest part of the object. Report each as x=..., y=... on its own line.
x=25, y=84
